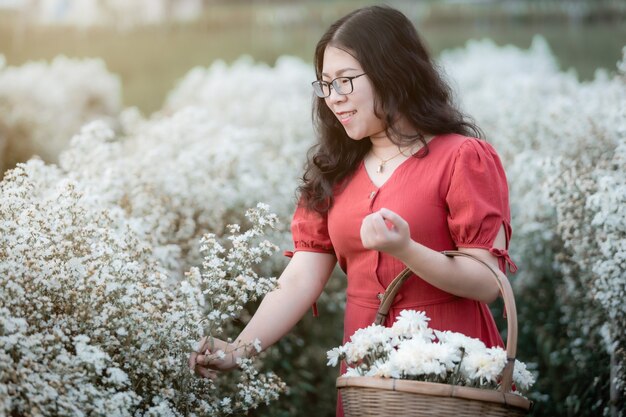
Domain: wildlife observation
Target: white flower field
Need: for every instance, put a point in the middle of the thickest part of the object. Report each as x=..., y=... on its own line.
x=108, y=277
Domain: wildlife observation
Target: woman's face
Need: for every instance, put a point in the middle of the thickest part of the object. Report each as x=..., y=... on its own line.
x=355, y=111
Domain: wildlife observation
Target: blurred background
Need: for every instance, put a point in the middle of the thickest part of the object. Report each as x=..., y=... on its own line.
x=131, y=64
x=151, y=44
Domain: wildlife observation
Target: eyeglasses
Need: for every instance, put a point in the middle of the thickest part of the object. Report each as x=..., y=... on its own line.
x=342, y=85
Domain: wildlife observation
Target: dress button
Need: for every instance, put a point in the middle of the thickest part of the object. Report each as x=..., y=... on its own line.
x=372, y=194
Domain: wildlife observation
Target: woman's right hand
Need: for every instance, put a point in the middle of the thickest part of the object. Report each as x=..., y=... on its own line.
x=213, y=355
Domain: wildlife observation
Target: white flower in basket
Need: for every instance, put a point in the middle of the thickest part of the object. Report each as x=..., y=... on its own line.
x=411, y=350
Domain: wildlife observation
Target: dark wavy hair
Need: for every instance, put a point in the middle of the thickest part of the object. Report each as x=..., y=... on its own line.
x=406, y=83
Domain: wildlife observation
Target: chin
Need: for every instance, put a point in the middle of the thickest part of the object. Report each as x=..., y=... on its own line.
x=356, y=136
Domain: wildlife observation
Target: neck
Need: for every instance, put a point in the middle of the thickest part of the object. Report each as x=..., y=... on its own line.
x=383, y=147
x=381, y=143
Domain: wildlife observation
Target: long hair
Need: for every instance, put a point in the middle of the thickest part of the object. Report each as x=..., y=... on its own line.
x=406, y=84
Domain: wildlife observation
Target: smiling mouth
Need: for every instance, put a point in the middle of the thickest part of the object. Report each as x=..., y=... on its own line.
x=345, y=116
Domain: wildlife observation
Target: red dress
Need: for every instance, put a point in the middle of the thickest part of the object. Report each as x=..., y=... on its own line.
x=456, y=196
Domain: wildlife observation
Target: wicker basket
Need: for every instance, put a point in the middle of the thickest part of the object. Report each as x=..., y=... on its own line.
x=388, y=397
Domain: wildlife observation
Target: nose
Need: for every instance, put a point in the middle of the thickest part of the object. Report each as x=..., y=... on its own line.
x=335, y=97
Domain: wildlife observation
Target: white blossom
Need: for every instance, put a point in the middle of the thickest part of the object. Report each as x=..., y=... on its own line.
x=418, y=352
x=411, y=322
x=484, y=366
x=522, y=377
x=43, y=104
x=335, y=355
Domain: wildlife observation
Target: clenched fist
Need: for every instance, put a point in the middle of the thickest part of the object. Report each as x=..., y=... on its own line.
x=385, y=231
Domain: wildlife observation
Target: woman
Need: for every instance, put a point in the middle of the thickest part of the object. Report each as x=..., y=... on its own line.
x=397, y=177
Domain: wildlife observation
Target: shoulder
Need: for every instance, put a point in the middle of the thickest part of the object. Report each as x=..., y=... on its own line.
x=450, y=148
x=465, y=150
x=463, y=160
x=455, y=144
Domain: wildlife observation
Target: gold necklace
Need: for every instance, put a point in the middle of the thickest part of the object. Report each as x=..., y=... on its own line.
x=381, y=165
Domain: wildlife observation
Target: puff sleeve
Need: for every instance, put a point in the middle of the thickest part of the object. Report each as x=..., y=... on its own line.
x=478, y=200
x=309, y=230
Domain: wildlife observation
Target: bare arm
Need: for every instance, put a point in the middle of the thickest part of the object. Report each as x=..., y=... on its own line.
x=300, y=284
x=459, y=276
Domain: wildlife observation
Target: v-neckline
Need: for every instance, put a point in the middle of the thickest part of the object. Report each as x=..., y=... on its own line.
x=371, y=181
x=378, y=187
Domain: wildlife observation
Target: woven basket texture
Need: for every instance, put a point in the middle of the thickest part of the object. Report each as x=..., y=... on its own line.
x=366, y=402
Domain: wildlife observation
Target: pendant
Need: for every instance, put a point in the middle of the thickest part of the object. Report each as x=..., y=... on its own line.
x=380, y=168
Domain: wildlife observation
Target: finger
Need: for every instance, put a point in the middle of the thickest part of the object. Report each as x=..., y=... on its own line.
x=205, y=344
x=366, y=231
x=203, y=360
x=390, y=215
x=192, y=361
x=370, y=233
x=202, y=347
x=369, y=220
x=374, y=231
x=206, y=372
x=210, y=359
x=379, y=226
x=395, y=219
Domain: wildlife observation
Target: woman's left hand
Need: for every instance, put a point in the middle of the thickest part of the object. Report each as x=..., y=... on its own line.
x=385, y=231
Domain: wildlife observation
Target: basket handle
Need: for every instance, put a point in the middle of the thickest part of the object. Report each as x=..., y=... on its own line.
x=509, y=307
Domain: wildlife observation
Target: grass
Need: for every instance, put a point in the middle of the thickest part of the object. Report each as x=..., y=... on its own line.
x=150, y=60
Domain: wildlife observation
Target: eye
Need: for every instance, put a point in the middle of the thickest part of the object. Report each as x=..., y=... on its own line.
x=343, y=80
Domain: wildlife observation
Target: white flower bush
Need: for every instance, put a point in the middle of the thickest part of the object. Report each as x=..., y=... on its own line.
x=111, y=13
x=562, y=143
x=590, y=196
x=89, y=323
x=409, y=349
x=84, y=313
x=501, y=87
x=229, y=282
x=533, y=114
x=273, y=104
x=226, y=282
x=165, y=182
x=220, y=144
x=43, y=104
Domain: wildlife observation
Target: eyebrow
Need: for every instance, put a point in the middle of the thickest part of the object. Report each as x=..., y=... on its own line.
x=340, y=72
